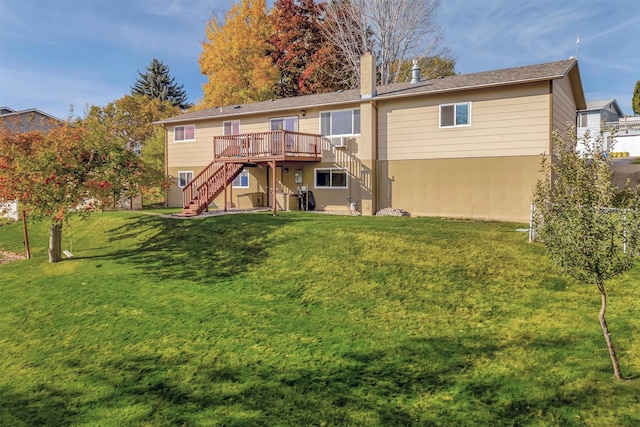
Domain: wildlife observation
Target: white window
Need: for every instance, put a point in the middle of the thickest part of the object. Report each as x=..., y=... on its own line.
x=242, y=180
x=584, y=120
x=452, y=115
x=231, y=127
x=338, y=123
x=285, y=123
x=330, y=178
x=184, y=177
x=184, y=133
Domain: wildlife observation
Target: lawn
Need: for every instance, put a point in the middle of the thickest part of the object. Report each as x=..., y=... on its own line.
x=305, y=319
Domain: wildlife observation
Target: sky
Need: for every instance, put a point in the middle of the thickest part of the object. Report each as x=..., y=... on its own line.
x=63, y=55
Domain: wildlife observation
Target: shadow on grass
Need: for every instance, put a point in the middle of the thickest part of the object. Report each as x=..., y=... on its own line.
x=43, y=407
x=213, y=248
x=423, y=382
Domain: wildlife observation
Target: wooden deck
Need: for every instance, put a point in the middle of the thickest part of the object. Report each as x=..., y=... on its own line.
x=273, y=146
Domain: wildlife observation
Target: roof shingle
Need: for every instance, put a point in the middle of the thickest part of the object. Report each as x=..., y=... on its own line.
x=507, y=76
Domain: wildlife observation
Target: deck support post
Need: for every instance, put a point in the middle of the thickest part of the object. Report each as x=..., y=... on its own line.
x=225, y=186
x=272, y=164
x=230, y=196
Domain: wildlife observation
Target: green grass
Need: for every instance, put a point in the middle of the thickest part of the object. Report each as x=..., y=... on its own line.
x=304, y=319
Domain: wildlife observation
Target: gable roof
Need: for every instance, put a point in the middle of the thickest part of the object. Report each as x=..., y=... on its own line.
x=486, y=79
x=604, y=104
x=8, y=112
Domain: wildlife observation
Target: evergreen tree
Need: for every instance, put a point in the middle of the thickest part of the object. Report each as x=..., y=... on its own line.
x=635, y=101
x=157, y=83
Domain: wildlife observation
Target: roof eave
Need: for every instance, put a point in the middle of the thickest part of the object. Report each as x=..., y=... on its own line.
x=576, y=85
x=248, y=113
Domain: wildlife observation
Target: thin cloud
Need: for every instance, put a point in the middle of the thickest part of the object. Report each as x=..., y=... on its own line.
x=55, y=93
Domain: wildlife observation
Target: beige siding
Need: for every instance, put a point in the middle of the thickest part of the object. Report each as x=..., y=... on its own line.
x=335, y=199
x=192, y=154
x=497, y=188
x=564, y=105
x=510, y=121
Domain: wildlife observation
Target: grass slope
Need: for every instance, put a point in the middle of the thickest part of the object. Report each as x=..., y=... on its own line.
x=302, y=319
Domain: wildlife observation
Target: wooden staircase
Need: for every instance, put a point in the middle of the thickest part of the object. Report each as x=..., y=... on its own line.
x=207, y=185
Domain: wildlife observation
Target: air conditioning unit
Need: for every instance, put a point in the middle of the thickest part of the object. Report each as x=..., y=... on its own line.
x=339, y=141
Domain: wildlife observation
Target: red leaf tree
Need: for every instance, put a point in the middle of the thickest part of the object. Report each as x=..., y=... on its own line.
x=59, y=174
x=305, y=58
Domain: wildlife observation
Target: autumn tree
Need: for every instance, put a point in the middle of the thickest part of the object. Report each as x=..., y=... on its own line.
x=395, y=31
x=130, y=120
x=58, y=174
x=234, y=57
x=590, y=228
x=157, y=83
x=304, y=57
x=635, y=101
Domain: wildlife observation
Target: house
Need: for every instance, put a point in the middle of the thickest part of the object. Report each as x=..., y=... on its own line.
x=622, y=135
x=465, y=146
x=27, y=120
x=597, y=112
x=606, y=115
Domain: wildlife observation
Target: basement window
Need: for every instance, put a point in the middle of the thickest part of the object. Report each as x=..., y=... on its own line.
x=184, y=133
x=184, y=177
x=242, y=180
x=454, y=115
x=330, y=178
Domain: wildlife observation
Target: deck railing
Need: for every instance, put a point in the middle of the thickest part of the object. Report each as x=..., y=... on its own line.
x=277, y=144
x=623, y=126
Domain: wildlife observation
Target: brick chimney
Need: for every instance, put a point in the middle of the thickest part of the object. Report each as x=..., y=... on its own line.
x=367, y=76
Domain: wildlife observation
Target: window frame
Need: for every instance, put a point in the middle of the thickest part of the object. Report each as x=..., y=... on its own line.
x=583, y=120
x=184, y=127
x=244, y=173
x=331, y=186
x=187, y=181
x=231, y=122
x=283, y=119
x=355, y=127
x=455, y=115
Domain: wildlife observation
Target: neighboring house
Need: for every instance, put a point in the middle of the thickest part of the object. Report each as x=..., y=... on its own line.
x=27, y=120
x=595, y=113
x=622, y=134
x=23, y=121
x=607, y=115
x=459, y=146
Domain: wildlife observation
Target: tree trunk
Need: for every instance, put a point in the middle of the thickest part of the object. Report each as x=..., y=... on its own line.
x=607, y=336
x=55, y=241
x=26, y=234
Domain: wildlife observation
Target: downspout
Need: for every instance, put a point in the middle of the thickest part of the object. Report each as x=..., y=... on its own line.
x=551, y=118
x=166, y=164
x=375, y=179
